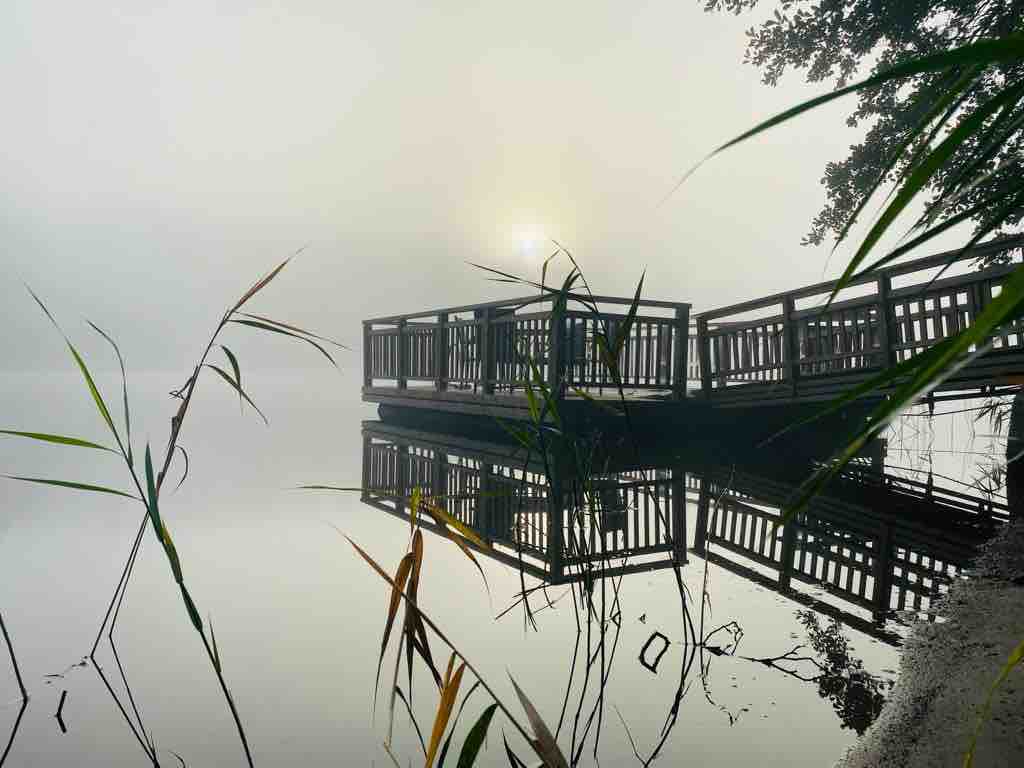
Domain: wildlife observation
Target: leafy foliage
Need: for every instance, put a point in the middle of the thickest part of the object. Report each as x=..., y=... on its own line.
x=833, y=40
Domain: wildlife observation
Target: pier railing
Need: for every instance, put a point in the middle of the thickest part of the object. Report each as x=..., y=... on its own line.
x=495, y=348
x=792, y=339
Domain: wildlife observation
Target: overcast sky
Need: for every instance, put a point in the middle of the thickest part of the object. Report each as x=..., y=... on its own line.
x=155, y=160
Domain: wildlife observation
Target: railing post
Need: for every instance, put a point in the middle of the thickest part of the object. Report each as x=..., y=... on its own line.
x=882, y=573
x=403, y=355
x=486, y=351
x=886, y=335
x=441, y=352
x=791, y=336
x=555, y=333
x=680, y=350
x=367, y=355
x=704, y=355
x=368, y=479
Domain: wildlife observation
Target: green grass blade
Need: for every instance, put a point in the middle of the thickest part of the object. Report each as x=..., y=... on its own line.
x=59, y=439
x=124, y=390
x=152, y=504
x=73, y=485
x=93, y=390
x=303, y=331
x=1016, y=657
x=262, y=283
x=475, y=739
x=932, y=369
x=922, y=174
x=227, y=377
x=236, y=369
x=283, y=332
x=948, y=103
x=983, y=52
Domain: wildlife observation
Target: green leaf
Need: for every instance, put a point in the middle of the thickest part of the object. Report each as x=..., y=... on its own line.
x=124, y=390
x=213, y=639
x=982, y=52
x=283, y=332
x=93, y=390
x=60, y=439
x=237, y=370
x=1016, y=657
x=948, y=102
x=72, y=485
x=937, y=364
x=475, y=739
x=152, y=505
x=227, y=377
x=262, y=283
x=303, y=331
x=190, y=607
x=922, y=174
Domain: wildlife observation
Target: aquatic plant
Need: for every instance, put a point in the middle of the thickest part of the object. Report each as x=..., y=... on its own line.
x=148, y=481
x=970, y=113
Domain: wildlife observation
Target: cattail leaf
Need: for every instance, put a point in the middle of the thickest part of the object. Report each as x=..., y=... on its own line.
x=227, y=377
x=920, y=175
x=93, y=389
x=441, y=516
x=544, y=744
x=412, y=718
x=152, y=505
x=283, y=332
x=59, y=439
x=513, y=759
x=475, y=739
x=303, y=331
x=184, y=473
x=72, y=485
x=124, y=391
x=455, y=724
x=262, y=283
x=236, y=369
x=401, y=576
x=213, y=639
x=449, y=692
x=414, y=505
x=172, y=553
x=190, y=607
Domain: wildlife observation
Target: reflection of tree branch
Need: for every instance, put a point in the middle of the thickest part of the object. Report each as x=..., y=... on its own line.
x=14, y=730
x=143, y=742
x=14, y=660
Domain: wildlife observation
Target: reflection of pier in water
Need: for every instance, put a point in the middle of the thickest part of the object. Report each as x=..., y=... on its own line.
x=873, y=543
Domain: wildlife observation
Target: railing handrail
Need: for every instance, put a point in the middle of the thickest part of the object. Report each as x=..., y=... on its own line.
x=523, y=301
x=927, y=262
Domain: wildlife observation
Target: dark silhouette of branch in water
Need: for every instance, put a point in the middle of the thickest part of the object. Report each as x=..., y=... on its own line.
x=14, y=660
x=14, y=731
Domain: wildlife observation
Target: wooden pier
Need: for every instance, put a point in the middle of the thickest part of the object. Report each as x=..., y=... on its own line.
x=781, y=350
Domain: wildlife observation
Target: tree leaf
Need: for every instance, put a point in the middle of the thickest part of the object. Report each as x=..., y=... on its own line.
x=59, y=439
x=475, y=739
x=72, y=485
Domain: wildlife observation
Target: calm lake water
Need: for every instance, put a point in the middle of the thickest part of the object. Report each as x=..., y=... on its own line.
x=299, y=617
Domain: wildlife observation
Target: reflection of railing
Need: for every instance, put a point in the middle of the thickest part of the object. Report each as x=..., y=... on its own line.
x=491, y=348
x=860, y=542
x=903, y=312
x=629, y=520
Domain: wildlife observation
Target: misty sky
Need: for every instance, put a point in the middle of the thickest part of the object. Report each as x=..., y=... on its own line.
x=157, y=158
